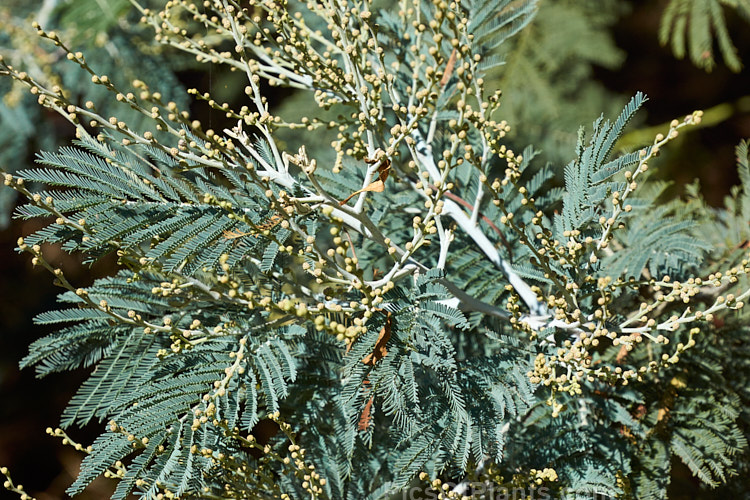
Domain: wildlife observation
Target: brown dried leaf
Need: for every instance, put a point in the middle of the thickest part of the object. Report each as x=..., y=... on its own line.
x=379, y=352
x=233, y=234
x=377, y=186
x=364, y=419
x=662, y=414
x=448, y=69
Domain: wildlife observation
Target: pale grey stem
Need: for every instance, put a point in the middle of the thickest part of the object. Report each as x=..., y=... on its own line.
x=424, y=154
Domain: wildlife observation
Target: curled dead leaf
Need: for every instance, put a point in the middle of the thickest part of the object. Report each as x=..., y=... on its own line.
x=364, y=419
x=379, y=352
x=448, y=69
x=378, y=185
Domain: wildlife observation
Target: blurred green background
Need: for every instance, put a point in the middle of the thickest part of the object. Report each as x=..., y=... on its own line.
x=578, y=59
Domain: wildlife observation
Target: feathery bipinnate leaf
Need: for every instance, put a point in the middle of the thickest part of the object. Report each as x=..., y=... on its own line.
x=586, y=177
x=692, y=26
x=113, y=199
